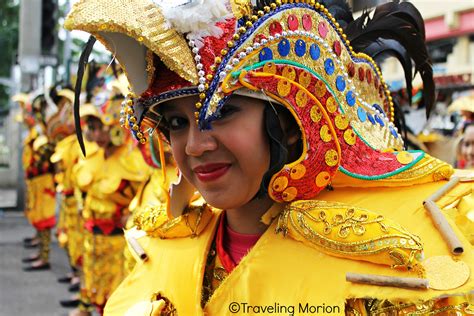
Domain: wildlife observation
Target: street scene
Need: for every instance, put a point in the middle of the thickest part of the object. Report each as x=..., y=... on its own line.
x=236, y=157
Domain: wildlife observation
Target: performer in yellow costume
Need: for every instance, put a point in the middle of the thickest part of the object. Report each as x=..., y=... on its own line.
x=40, y=208
x=152, y=192
x=279, y=117
x=25, y=116
x=110, y=179
x=66, y=156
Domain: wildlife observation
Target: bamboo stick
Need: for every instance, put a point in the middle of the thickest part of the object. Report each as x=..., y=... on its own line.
x=382, y=280
x=137, y=248
x=445, y=188
x=444, y=228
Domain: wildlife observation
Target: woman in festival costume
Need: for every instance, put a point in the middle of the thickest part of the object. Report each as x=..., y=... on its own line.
x=25, y=116
x=40, y=184
x=285, y=127
x=465, y=217
x=110, y=178
x=67, y=153
x=152, y=192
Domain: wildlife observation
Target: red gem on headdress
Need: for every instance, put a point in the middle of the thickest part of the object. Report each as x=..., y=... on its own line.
x=307, y=22
x=351, y=69
x=337, y=48
x=381, y=91
x=323, y=29
x=275, y=28
x=361, y=74
x=369, y=75
x=376, y=82
x=293, y=22
x=258, y=38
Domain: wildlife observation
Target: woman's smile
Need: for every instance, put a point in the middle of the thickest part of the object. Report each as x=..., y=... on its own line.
x=211, y=171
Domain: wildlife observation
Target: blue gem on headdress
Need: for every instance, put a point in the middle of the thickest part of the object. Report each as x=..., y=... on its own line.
x=350, y=98
x=300, y=48
x=284, y=47
x=340, y=83
x=378, y=107
x=371, y=118
x=314, y=51
x=265, y=54
x=329, y=66
x=362, y=114
x=394, y=133
x=379, y=120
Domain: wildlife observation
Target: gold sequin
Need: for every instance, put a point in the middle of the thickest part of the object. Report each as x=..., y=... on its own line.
x=301, y=98
x=324, y=133
x=289, y=194
x=404, y=157
x=320, y=89
x=304, y=79
x=350, y=137
x=297, y=172
x=316, y=114
x=322, y=179
x=331, y=105
x=280, y=184
x=444, y=273
x=341, y=122
x=289, y=73
x=146, y=23
x=283, y=87
x=331, y=158
x=270, y=68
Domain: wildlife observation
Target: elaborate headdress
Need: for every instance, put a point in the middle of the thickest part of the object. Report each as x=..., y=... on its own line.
x=61, y=124
x=310, y=57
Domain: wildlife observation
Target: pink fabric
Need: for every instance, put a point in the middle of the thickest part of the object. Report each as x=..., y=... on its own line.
x=238, y=245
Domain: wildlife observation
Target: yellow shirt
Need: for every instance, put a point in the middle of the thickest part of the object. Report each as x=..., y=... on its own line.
x=279, y=272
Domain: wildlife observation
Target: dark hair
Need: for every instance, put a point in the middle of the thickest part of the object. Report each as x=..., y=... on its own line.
x=466, y=125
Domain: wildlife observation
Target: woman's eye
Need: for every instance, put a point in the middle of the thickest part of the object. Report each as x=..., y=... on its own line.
x=227, y=110
x=177, y=123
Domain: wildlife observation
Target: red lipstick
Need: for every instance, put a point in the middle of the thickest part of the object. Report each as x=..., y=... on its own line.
x=211, y=172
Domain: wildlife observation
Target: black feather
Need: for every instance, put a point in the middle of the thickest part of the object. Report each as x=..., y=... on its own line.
x=384, y=48
x=403, y=23
x=77, y=90
x=340, y=10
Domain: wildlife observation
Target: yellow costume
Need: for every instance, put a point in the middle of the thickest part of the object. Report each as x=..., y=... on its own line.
x=306, y=269
x=41, y=192
x=70, y=226
x=351, y=204
x=110, y=183
x=150, y=193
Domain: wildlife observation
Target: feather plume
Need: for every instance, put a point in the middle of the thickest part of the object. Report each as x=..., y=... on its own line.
x=402, y=23
x=340, y=10
x=384, y=48
x=198, y=18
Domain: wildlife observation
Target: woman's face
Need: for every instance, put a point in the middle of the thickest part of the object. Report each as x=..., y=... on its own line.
x=225, y=164
x=467, y=147
x=97, y=132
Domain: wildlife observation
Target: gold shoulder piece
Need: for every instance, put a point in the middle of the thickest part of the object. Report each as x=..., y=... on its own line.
x=123, y=26
x=349, y=232
x=133, y=165
x=39, y=142
x=64, y=147
x=427, y=169
x=155, y=222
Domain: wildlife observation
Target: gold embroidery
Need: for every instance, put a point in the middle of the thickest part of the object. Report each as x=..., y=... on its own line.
x=340, y=230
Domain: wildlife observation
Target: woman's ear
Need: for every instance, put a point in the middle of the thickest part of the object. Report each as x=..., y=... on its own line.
x=293, y=134
x=289, y=126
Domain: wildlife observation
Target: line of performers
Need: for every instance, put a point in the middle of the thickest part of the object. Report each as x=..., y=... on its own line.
x=89, y=200
x=278, y=115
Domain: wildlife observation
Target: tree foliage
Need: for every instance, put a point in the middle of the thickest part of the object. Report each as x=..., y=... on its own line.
x=9, y=22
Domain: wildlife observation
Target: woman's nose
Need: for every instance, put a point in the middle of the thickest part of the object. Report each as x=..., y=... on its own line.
x=198, y=142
